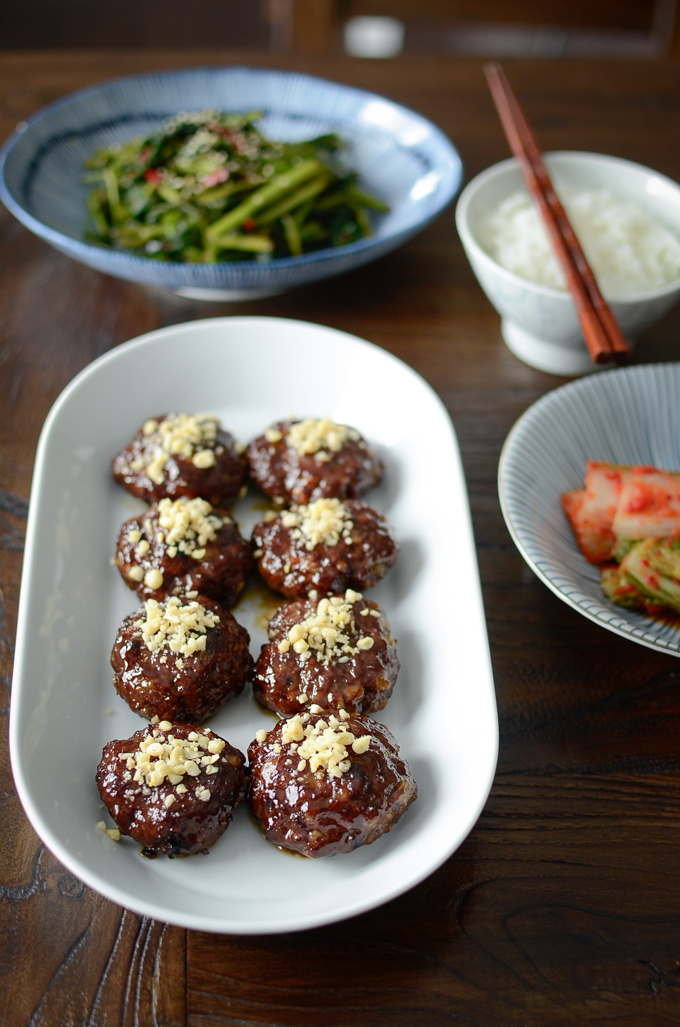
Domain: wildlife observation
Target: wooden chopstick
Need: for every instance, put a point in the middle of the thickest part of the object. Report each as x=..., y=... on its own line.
x=601, y=332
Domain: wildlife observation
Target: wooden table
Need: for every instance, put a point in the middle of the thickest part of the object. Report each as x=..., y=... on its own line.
x=563, y=905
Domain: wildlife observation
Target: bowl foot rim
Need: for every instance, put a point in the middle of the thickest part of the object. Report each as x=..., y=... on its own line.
x=191, y=292
x=552, y=357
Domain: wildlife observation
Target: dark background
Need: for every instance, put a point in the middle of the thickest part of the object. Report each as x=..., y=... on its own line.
x=557, y=28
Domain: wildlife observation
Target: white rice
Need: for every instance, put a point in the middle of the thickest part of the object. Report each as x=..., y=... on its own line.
x=628, y=251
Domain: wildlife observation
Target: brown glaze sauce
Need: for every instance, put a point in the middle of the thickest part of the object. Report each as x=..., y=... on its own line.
x=317, y=815
x=220, y=574
x=190, y=824
x=362, y=685
x=219, y=484
x=190, y=692
x=329, y=570
x=288, y=476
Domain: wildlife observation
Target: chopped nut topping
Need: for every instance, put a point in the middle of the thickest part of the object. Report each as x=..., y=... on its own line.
x=143, y=547
x=112, y=832
x=134, y=535
x=203, y=459
x=136, y=573
x=273, y=435
x=322, y=745
x=316, y=435
x=361, y=744
x=260, y=735
x=187, y=525
x=153, y=578
x=327, y=632
x=166, y=757
x=179, y=626
x=183, y=435
x=323, y=521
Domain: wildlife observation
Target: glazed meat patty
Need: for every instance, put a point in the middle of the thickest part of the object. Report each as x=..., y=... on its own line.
x=335, y=652
x=172, y=787
x=179, y=659
x=183, y=545
x=182, y=455
x=320, y=787
x=327, y=547
x=297, y=461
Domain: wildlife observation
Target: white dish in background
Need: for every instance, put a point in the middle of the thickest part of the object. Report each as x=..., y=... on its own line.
x=540, y=324
x=251, y=372
x=627, y=416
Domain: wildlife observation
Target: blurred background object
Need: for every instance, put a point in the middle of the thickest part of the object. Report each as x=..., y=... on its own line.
x=362, y=28
x=527, y=28
x=371, y=36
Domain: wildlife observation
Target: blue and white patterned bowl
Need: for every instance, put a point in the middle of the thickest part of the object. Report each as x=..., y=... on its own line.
x=402, y=158
x=627, y=416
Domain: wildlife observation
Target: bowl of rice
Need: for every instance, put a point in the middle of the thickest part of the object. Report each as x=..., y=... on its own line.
x=627, y=219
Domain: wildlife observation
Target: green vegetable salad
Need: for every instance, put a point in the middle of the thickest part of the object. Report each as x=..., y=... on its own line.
x=210, y=187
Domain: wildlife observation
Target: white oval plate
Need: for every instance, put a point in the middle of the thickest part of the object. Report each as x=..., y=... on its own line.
x=626, y=416
x=250, y=372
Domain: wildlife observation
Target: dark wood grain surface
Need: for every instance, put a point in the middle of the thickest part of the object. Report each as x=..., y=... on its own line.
x=563, y=905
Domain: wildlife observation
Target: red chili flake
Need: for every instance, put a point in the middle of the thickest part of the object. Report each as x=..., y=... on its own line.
x=152, y=175
x=239, y=142
x=248, y=225
x=215, y=177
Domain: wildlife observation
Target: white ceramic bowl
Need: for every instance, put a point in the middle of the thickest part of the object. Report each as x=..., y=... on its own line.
x=539, y=324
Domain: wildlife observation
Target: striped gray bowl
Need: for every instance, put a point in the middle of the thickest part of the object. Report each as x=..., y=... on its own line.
x=401, y=157
x=626, y=416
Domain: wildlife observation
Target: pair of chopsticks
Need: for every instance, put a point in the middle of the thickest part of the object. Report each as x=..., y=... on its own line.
x=602, y=334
